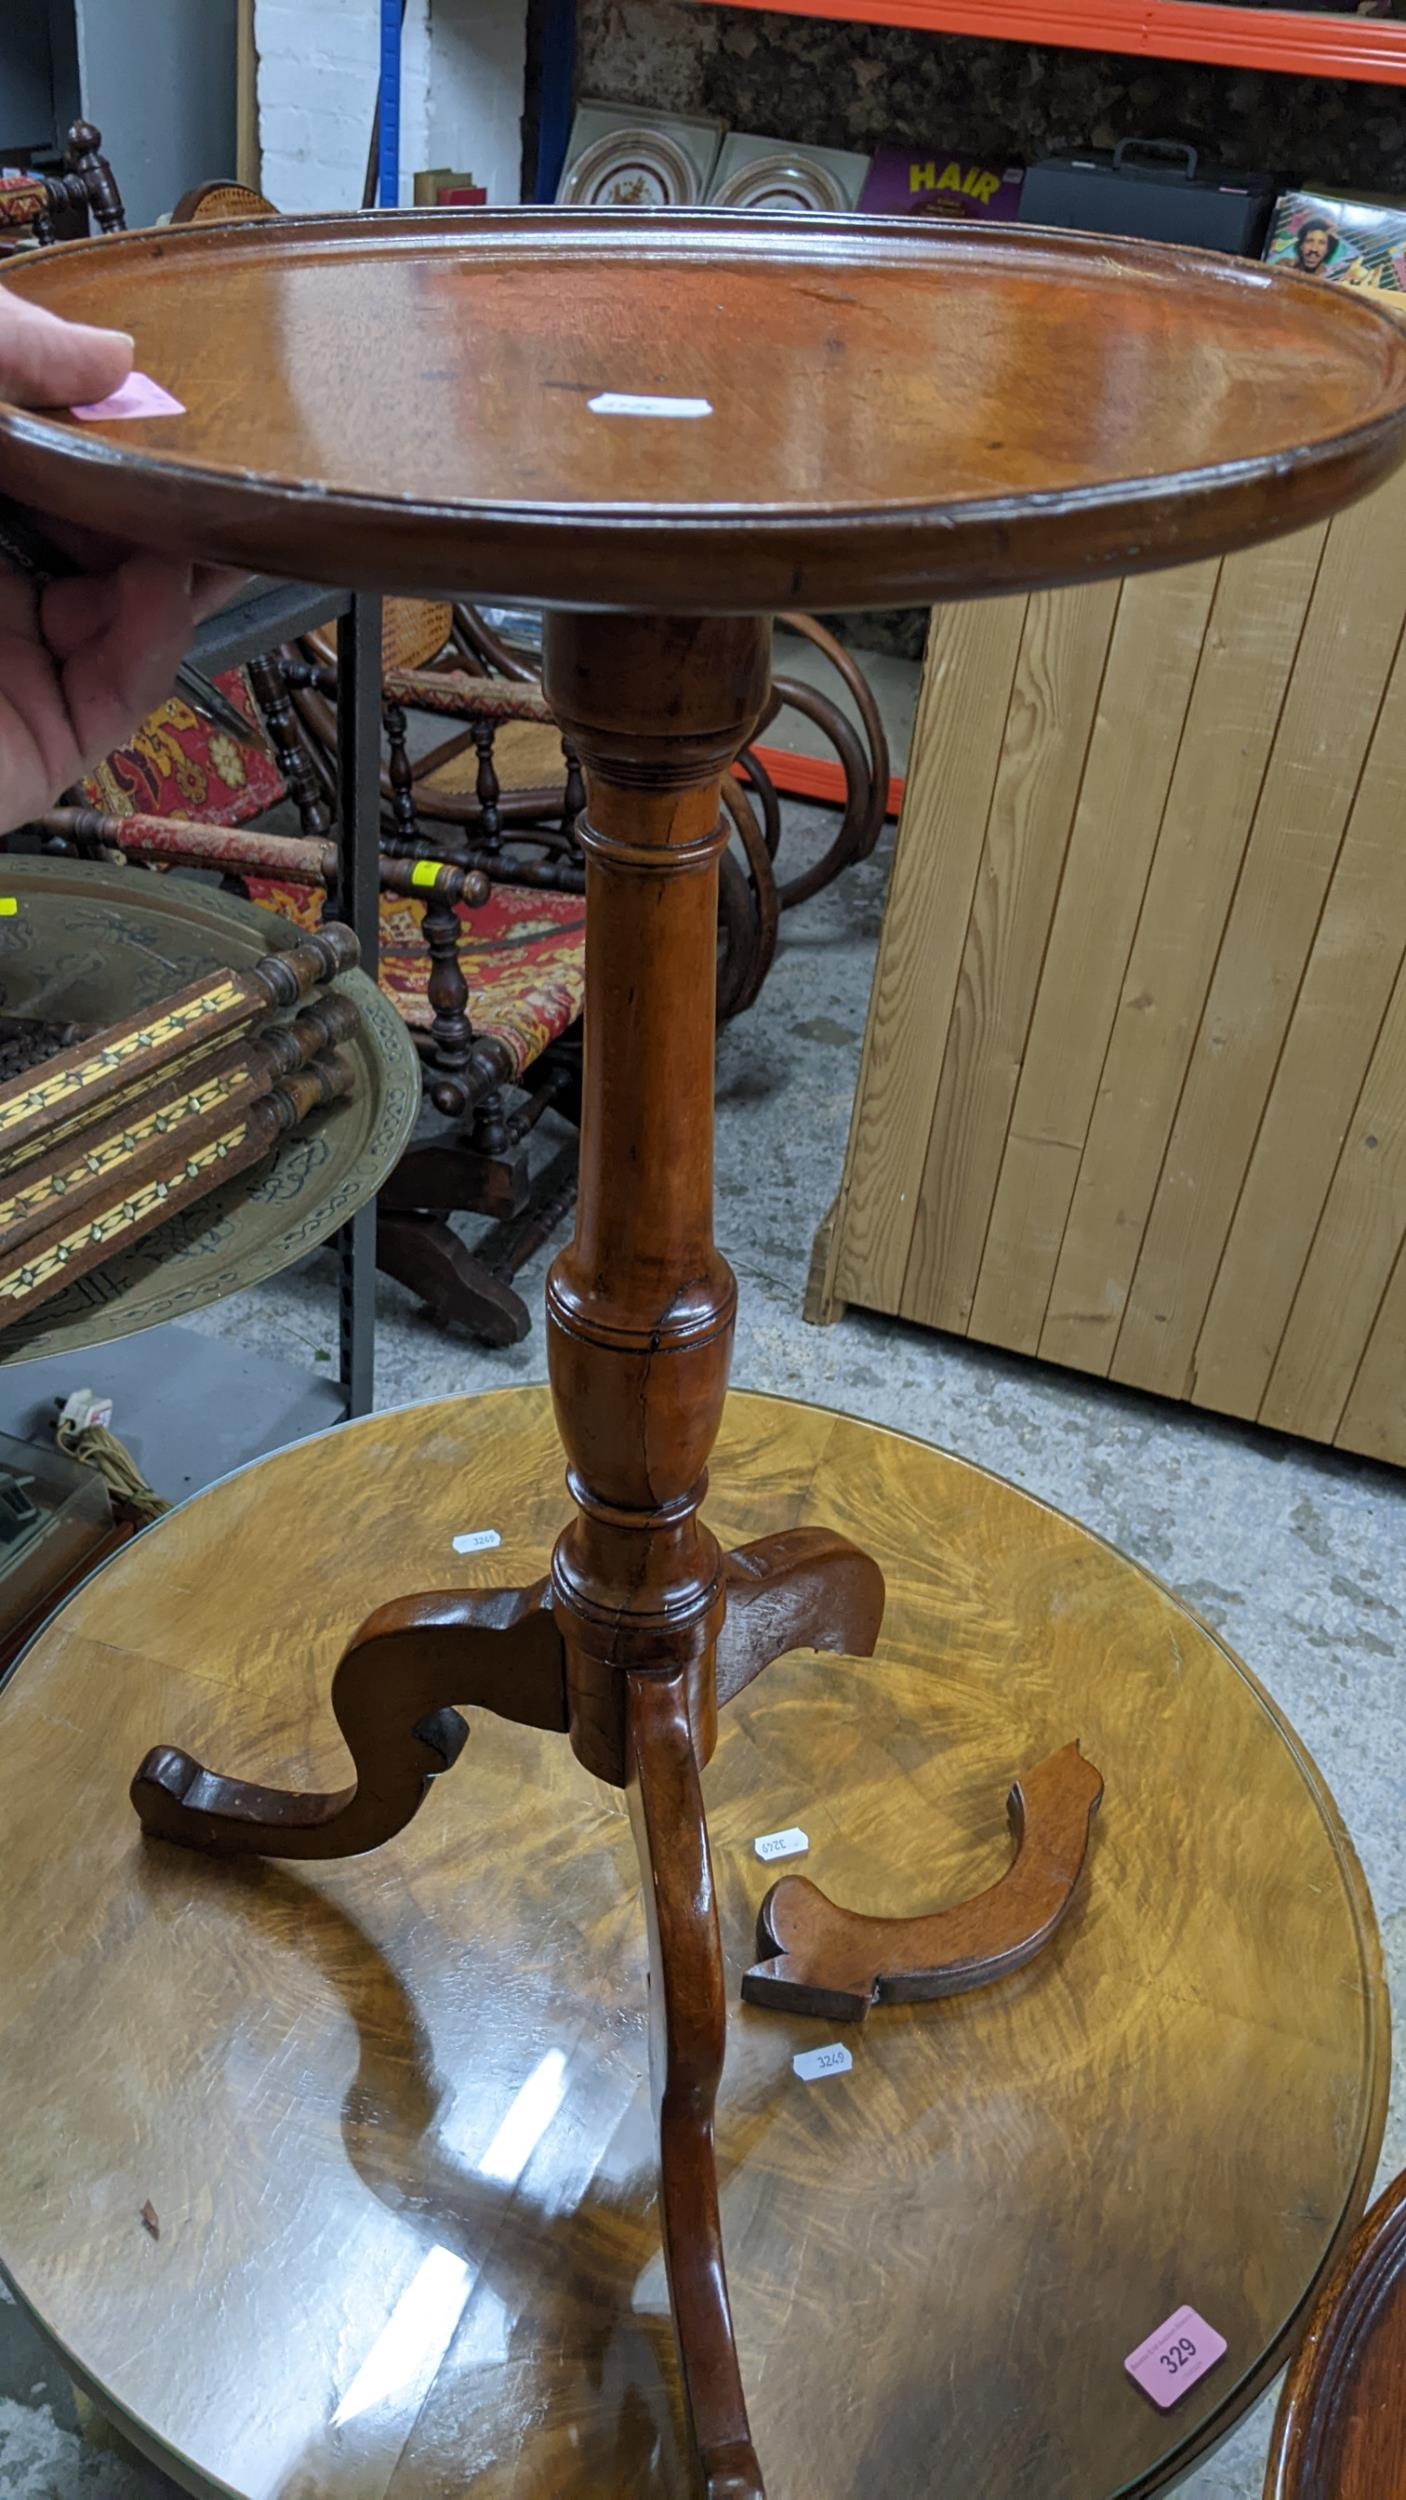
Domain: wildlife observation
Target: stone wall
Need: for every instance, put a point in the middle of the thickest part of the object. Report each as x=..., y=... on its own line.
x=853, y=86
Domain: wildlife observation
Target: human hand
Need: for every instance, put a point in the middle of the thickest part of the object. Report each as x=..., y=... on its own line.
x=82, y=660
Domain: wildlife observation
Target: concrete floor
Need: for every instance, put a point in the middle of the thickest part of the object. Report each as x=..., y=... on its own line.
x=1294, y=1553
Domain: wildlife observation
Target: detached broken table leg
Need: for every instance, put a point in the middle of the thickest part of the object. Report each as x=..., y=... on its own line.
x=646, y=1625
x=825, y=1960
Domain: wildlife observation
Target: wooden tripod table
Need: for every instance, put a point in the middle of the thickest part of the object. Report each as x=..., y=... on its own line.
x=667, y=429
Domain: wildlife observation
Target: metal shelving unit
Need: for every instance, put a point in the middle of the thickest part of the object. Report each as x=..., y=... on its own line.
x=1317, y=45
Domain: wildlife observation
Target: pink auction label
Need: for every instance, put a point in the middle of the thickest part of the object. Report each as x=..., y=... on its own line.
x=139, y=396
x=1175, y=2356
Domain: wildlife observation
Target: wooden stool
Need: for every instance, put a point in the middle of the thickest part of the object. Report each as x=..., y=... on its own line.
x=1340, y=2432
x=555, y=408
x=390, y=2116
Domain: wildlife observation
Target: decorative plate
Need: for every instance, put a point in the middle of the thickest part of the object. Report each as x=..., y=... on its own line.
x=780, y=182
x=97, y=943
x=632, y=168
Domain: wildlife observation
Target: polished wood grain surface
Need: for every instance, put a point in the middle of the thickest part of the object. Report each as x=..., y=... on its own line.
x=393, y=2114
x=423, y=402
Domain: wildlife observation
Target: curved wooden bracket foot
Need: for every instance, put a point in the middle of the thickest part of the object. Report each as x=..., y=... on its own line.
x=494, y=1649
x=688, y=2029
x=733, y=2473
x=834, y=1962
x=803, y=1589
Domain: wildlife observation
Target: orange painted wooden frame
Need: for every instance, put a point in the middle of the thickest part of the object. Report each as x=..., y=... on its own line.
x=811, y=777
x=1174, y=30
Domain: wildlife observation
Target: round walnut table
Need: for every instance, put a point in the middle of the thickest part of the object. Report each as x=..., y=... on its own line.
x=388, y=2119
x=667, y=429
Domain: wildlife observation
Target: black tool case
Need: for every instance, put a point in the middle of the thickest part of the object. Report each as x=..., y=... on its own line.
x=1156, y=188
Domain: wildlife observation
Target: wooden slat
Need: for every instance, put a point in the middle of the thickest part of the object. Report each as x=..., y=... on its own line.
x=1330, y=715
x=1374, y=1419
x=248, y=153
x=957, y=740
x=1063, y=654
x=1251, y=641
x=1147, y=684
x=1354, y=1250
x=1356, y=960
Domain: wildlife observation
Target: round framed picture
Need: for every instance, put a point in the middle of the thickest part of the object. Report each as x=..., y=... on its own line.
x=784, y=181
x=632, y=168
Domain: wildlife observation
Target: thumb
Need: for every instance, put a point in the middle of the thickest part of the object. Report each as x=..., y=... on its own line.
x=48, y=363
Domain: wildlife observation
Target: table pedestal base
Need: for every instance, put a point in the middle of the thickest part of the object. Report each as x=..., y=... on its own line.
x=644, y=1626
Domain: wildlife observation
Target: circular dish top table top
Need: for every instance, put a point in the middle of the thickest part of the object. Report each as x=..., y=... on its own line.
x=388, y=2119
x=697, y=412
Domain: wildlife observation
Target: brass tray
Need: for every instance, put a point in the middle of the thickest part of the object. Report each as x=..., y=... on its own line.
x=96, y=943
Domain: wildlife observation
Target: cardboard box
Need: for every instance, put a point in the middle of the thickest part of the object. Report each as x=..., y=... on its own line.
x=441, y=187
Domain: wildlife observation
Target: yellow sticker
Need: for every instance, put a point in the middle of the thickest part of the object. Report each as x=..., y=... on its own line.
x=8, y=906
x=425, y=871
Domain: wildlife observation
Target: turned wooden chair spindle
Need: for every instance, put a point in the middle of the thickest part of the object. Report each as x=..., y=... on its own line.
x=86, y=189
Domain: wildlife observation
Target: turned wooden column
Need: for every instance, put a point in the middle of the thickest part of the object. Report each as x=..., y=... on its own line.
x=640, y=1308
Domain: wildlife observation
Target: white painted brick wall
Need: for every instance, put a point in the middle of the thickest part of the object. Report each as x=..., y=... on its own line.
x=462, y=94
x=478, y=65
x=318, y=67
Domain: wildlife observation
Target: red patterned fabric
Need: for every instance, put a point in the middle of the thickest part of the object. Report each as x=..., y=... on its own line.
x=239, y=848
x=523, y=954
x=23, y=197
x=180, y=764
x=467, y=698
x=523, y=957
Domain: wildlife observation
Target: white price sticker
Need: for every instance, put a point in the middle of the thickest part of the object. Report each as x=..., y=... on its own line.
x=790, y=1844
x=480, y=1541
x=646, y=404
x=815, y=2064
